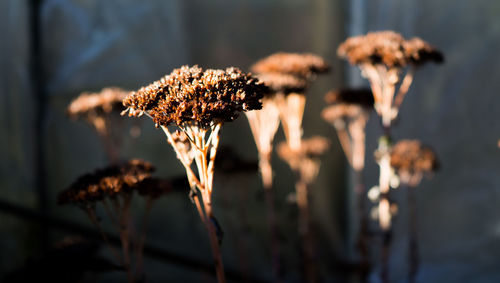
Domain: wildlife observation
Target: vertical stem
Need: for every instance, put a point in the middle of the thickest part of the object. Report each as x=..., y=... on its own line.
x=384, y=203
x=305, y=230
x=142, y=239
x=214, y=242
x=267, y=180
x=413, y=243
x=95, y=221
x=363, y=233
x=124, y=234
x=206, y=173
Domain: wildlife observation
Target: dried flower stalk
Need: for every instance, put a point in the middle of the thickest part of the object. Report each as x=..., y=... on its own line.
x=305, y=162
x=348, y=112
x=97, y=109
x=388, y=61
x=236, y=173
x=412, y=160
x=112, y=187
x=288, y=75
x=198, y=102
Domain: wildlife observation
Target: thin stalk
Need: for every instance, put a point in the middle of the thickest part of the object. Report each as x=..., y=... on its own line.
x=125, y=233
x=363, y=233
x=384, y=203
x=214, y=242
x=305, y=231
x=403, y=88
x=345, y=142
x=142, y=238
x=414, y=257
x=267, y=180
x=95, y=221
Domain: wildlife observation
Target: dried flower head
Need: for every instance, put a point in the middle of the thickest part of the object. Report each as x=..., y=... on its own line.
x=387, y=48
x=303, y=65
x=95, y=107
x=282, y=83
x=310, y=148
x=410, y=158
x=190, y=95
x=105, y=101
x=348, y=113
x=107, y=182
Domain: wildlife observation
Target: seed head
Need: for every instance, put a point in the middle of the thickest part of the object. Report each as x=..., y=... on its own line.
x=105, y=101
x=388, y=48
x=302, y=65
x=190, y=95
x=107, y=182
x=411, y=156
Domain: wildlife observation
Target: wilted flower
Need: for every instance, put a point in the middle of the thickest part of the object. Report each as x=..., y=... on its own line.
x=411, y=159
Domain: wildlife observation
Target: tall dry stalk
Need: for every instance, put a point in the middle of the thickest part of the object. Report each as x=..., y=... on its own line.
x=113, y=188
x=388, y=61
x=348, y=112
x=101, y=111
x=289, y=75
x=197, y=102
x=412, y=160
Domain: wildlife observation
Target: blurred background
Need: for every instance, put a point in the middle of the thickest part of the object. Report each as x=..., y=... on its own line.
x=52, y=50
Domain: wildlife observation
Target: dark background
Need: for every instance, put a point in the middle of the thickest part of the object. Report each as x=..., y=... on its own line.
x=88, y=45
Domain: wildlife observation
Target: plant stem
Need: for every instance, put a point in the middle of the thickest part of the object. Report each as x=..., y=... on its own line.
x=305, y=230
x=384, y=203
x=95, y=221
x=413, y=243
x=267, y=181
x=363, y=233
x=142, y=239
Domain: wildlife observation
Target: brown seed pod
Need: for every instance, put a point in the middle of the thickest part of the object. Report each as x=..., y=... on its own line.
x=190, y=95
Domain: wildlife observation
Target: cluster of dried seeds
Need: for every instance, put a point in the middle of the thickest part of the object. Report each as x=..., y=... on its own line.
x=388, y=48
x=107, y=182
x=192, y=96
x=302, y=65
x=105, y=101
x=282, y=83
x=289, y=72
x=411, y=156
x=312, y=147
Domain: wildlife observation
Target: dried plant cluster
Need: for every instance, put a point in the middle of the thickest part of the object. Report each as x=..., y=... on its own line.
x=348, y=112
x=383, y=57
x=113, y=187
x=306, y=161
x=192, y=96
x=411, y=159
x=95, y=108
x=198, y=102
x=388, y=61
x=388, y=48
x=101, y=111
x=303, y=65
x=288, y=76
x=109, y=182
